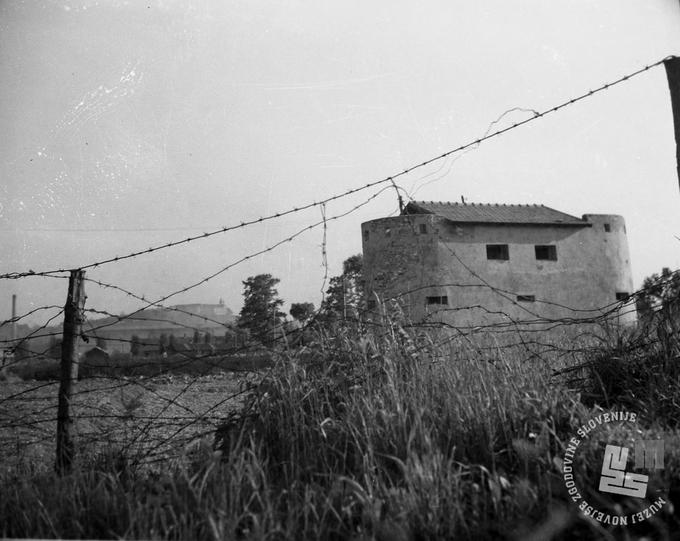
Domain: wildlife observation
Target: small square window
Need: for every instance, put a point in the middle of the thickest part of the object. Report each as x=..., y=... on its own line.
x=607, y=228
x=370, y=304
x=546, y=253
x=526, y=298
x=622, y=295
x=497, y=251
x=443, y=299
x=423, y=229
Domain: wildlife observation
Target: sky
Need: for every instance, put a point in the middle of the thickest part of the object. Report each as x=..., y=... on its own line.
x=130, y=124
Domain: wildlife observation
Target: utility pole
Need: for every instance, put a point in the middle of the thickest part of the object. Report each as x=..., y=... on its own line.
x=73, y=320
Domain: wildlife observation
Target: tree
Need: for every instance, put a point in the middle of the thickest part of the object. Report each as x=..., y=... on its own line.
x=230, y=337
x=345, y=294
x=54, y=350
x=660, y=297
x=260, y=314
x=658, y=306
x=134, y=345
x=22, y=351
x=301, y=311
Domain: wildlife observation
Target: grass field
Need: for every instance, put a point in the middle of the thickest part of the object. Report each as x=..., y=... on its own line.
x=159, y=415
x=366, y=437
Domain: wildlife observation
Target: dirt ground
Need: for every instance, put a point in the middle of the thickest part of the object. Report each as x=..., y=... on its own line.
x=149, y=418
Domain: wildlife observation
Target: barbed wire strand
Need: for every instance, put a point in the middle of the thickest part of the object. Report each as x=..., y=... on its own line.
x=388, y=179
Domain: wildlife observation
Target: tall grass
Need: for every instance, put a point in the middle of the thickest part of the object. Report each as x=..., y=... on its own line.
x=356, y=438
x=641, y=373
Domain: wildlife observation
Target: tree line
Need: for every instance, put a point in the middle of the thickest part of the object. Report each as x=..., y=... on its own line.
x=261, y=316
x=262, y=321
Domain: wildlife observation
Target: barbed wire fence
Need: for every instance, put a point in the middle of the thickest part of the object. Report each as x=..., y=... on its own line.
x=126, y=403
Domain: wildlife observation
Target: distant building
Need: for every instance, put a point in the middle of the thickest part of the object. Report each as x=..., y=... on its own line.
x=470, y=265
x=181, y=321
x=96, y=356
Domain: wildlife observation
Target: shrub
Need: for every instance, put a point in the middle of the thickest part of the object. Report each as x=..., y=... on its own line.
x=640, y=373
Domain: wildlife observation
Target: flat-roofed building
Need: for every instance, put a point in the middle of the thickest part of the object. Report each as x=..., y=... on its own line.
x=471, y=265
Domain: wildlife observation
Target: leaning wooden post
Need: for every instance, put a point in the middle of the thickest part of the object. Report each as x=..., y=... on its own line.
x=73, y=319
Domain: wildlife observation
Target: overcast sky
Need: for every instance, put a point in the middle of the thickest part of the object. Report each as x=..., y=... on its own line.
x=127, y=125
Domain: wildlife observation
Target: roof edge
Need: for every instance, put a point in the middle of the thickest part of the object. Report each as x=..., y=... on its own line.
x=516, y=214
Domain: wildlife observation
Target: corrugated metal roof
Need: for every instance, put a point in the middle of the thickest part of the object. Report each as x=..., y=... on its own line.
x=495, y=214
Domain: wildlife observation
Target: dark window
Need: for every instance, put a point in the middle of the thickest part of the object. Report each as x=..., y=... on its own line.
x=622, y=295
x=370, y=304
x=547, y=252
x=423, y=229
x=607, y=228
x=437, y=300
x=526, y=298
x=497, y=251
x=365, y=234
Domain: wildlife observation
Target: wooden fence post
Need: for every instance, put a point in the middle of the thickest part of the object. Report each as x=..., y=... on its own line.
x=73, y=319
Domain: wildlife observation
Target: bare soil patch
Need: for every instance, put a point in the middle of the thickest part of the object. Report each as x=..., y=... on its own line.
x=149, y=418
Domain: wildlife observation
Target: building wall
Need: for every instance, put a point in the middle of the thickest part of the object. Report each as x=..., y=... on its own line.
x=180, y=321
x=118, y=340
x=418, y=256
